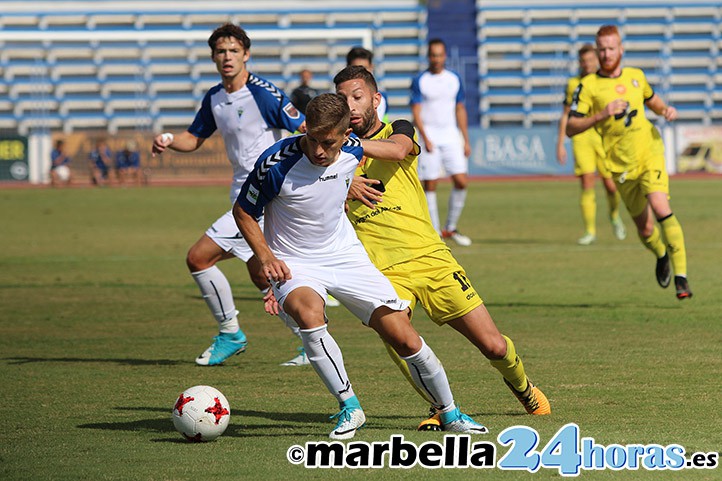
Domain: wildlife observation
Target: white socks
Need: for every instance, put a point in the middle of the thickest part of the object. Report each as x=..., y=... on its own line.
x=433, y=208
x=327, y=360
x=457, y=200
x=216, y=291
x=429, y=375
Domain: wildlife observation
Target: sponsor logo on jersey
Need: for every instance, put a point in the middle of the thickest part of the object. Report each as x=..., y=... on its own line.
x=291, y=111
x=252, y=195
x=330, y=177
x=621, y=90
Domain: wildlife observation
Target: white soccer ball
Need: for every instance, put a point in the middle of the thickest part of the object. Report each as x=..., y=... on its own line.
x=201, y=413
x=63, y=172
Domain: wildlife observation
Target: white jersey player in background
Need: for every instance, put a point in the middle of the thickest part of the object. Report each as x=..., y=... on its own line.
x=251, y=114
x=437, y=105
x=308, y=248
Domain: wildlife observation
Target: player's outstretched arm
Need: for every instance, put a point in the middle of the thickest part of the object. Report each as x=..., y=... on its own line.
x=395, y=148
x=183, y=142
x=273, y=268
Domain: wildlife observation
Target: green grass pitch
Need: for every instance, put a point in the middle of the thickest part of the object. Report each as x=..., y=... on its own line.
x=100, y=323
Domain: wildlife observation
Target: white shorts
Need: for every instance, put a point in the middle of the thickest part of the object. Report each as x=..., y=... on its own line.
x=350, y=277
x=225, y=233
x=450, y=155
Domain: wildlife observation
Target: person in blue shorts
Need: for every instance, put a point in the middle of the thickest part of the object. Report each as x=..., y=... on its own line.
x=127, y=164
x=99, y=160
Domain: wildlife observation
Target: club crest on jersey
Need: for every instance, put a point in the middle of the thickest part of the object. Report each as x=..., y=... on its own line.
x=291, y=111
x=240, y=112
x=635, y=83
x=252, y=195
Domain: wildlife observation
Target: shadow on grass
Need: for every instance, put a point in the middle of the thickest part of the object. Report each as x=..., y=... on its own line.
x=283, y=425
x=123, y=361
x=164, y=425
x=237, y=297
x=586, y=305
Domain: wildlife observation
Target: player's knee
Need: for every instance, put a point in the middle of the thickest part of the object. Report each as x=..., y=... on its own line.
x=308, y=316
x=407, y=346
x=460, y=182
x=495, y=348
x=196, y=261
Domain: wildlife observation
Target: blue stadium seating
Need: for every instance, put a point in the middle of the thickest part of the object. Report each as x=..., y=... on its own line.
x=527, y=53
x=105, y=66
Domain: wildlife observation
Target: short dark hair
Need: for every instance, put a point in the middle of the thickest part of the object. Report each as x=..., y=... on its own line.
x=353, y=72
x=437, y=41
x=359, y=52
x=586, y=48
x=326, y=112
x=229, y=30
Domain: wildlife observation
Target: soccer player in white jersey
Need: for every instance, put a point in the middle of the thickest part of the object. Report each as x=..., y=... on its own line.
x=251, y=114
x=437, y=106
x=308, y=249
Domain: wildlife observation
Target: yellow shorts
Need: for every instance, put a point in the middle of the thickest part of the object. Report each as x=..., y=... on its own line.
x=634, y=186
x=439, y=284
x=589, y=156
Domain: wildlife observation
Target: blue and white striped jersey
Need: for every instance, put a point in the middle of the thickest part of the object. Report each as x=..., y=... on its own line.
x=250, y=120
x=302, y=203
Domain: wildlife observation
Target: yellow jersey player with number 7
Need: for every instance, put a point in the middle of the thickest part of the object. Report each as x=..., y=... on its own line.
x=613, y=101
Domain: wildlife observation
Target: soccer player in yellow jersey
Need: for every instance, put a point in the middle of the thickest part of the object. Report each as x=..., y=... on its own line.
x=612, y=101
x=588, y=158
x=392, y=221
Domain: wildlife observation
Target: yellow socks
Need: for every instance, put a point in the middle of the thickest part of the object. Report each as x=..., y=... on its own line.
x=613, y=201
x=511, y=367
x=654, y=243
x=588, y=204
x=675, y=244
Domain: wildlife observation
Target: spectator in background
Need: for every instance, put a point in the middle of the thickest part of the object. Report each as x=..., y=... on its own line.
x=437, y=105
x=302, y=95
x=589, y=157
x=127, y=164
x=365, y=58
x=98, y=161
x=59, y=168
